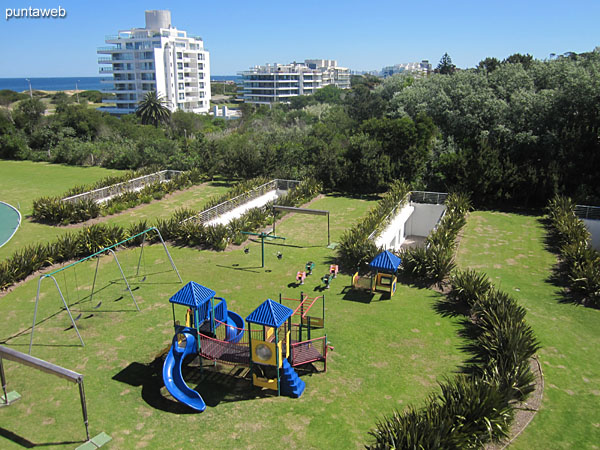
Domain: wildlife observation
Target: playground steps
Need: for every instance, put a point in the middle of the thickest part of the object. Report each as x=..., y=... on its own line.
x=291, y=384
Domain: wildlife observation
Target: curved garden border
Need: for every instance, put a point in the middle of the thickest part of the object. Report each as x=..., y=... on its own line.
x=18, y=224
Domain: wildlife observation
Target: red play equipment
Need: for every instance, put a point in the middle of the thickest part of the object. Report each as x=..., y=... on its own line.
x=307, y=320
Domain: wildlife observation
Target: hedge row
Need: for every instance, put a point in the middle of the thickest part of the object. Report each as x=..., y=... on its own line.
x=477, y=406
x=356, y=250
x=53, y=211
x=435, y=261
x=580, y=264
x=88, y=240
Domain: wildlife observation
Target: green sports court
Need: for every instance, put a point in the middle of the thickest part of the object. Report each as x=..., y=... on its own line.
x=10, y=219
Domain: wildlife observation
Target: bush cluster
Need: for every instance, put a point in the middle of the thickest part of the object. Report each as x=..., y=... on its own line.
x=356, y=249
x=476, y=407
x=89, y=240
x=54, y=211
x=580, y=264
x=435, y=261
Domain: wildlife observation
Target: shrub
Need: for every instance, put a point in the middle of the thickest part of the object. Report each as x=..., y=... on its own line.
x=580, y=264
x=52, y=210
x=355, y=249
x=476, y=407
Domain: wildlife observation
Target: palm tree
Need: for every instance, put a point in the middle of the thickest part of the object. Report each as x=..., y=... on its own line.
x=152, y=109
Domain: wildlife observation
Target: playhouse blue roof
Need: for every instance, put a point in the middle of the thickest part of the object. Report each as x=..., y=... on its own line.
x=192, y=295
x=270, y=313
x=386, y=261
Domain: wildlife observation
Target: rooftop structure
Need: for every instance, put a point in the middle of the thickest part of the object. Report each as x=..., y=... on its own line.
x=279, y=82
x=158, y=57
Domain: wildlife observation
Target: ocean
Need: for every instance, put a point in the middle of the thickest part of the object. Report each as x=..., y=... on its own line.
x=68, y=83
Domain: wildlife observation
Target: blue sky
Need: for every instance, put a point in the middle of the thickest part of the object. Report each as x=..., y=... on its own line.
x=365, y=35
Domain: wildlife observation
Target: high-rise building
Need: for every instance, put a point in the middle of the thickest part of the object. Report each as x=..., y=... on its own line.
x=279, y=82
x=157, y=58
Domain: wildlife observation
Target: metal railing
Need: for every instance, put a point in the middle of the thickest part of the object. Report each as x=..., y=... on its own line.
x=229, y=205
x=587, y=212
x=436, y=198
x=135, y=184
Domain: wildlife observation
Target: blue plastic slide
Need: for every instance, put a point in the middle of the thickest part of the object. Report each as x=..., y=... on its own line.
x=172, y=373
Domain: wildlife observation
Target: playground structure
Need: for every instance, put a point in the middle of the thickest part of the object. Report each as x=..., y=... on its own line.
x=52, y=276
x=271, y=351
x=300, y=277
x=382, y=277
x=44, y=366
x=262, y=237
x=328, y=277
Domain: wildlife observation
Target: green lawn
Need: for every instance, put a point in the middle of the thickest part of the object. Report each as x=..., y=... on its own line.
x=387, y=353
x=52, y=179
x=509, y=248
x=21, y=182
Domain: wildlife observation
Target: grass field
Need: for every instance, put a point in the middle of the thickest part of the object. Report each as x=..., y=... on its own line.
x=388, y=353
x=56, y=179
x=510, y=249
x=21, y=182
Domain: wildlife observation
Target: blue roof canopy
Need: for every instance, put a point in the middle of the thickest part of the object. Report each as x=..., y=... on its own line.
x=386, y=262
x=270, y=314
x=192, y=295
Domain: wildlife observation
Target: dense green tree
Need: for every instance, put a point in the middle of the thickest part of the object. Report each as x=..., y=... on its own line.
x=525, y=60
x=153, y=110
x=363, y=104
x=488, y=65
x=29, y=113
x=329, y=94
x=445, y=66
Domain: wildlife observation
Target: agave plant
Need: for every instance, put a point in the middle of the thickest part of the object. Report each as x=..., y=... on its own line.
x=468, y=287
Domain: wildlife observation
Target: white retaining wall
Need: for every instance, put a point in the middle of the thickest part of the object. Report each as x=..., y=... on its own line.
x=415, y=219
x=224, y=219
x=593, y=227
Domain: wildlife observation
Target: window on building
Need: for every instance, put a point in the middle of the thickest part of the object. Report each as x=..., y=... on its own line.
x=201, y=85
x=200, y=66
x=201, y=76
x=179, y=55
x=180, y=66
x=180, y=76
x=180, y=86
x=181, y=96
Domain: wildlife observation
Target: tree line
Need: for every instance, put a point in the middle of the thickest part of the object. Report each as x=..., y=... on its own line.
x=508, y=133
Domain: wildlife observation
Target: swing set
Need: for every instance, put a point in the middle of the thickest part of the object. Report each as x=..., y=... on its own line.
x=52, y=276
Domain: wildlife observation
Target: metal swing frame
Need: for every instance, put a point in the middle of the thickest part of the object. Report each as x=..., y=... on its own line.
x=97, y=254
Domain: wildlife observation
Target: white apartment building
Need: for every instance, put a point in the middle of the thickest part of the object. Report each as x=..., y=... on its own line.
x=158, y=58
x=278, y=82
x=414, y=68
